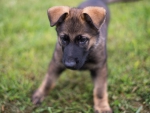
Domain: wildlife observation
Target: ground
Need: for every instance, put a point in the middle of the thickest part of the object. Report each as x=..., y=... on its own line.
x=26, y=47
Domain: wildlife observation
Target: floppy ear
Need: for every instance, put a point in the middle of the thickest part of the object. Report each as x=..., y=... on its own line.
x=94, y=15
x=57, y=14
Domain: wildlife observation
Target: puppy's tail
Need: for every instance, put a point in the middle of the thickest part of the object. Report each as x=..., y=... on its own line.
x=113, y=1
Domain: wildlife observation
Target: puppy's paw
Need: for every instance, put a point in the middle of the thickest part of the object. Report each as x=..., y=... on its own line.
x=103, y=110
x=37, y=97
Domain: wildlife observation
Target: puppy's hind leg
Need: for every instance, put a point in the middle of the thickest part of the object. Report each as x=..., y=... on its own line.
x=48, y=82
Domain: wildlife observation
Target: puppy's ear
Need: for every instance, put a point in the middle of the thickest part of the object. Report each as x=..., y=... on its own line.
x=57, y=14
x=94, y=15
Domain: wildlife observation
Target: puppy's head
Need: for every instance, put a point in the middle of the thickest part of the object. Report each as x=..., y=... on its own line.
x=77, y=30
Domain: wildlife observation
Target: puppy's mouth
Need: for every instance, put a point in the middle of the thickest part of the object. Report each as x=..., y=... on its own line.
x=72, y=68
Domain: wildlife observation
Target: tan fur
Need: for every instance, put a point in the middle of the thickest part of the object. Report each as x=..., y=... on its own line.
x=44, y=88
x=100, y=91
x=101, y=103
x=97, y=15
x=91, y=42
x=55, y=13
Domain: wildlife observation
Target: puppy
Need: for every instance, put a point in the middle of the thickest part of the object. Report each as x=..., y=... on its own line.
x=81, y=45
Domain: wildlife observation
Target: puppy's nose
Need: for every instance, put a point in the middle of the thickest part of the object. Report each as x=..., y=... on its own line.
x=70, y=63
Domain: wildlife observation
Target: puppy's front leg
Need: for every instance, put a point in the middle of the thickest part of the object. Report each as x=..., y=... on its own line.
x=101, y=104
x=48, y=82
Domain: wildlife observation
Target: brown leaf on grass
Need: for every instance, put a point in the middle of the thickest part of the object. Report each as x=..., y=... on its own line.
x=134, y=89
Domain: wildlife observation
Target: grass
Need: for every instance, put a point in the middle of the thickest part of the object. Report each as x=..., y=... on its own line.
x=26, y=47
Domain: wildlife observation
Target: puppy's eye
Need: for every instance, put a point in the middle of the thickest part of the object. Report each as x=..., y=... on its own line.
x=81, y=40
x=64, y=39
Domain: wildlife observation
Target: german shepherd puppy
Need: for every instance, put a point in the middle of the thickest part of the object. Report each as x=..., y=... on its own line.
x=82, y=34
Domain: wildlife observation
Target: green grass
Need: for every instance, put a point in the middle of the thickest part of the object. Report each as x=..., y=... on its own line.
x=26, y=47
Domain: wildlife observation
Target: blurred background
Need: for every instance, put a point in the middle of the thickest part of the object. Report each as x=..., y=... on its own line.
x=26, y=46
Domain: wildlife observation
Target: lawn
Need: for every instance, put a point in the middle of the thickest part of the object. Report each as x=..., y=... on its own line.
x=26, y=46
